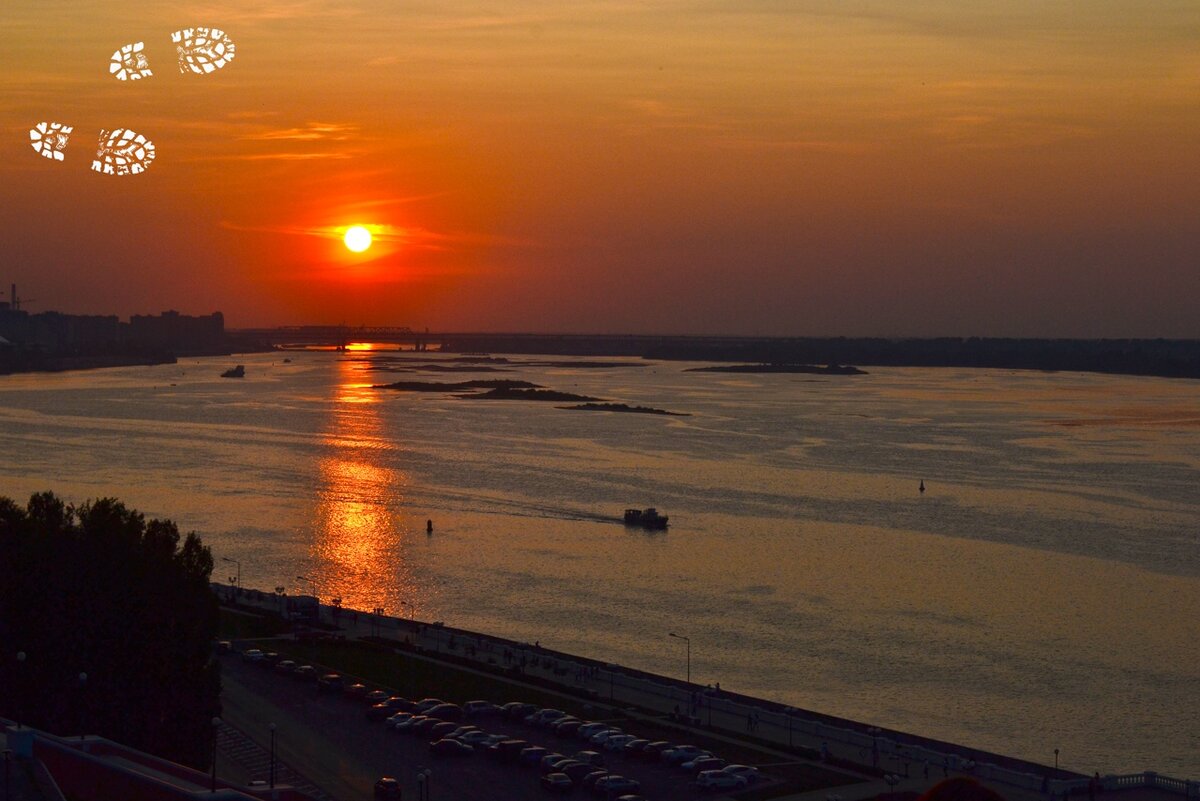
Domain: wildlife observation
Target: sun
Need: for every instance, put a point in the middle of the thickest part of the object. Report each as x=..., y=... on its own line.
x=357, y=238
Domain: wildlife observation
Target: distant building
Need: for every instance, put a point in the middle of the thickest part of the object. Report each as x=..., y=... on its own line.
x=178, y=333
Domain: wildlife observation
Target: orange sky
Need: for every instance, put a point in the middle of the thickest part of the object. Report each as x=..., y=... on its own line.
x=957, y=167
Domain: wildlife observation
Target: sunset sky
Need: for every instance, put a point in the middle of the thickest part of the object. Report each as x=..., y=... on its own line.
x=808, y=167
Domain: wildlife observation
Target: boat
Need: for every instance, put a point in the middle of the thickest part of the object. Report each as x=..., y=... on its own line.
x=236, y=372
x=646, y=518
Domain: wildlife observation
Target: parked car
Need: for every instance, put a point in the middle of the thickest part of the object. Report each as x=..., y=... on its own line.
x=750, y=774
x=474, y=709
x=285, y=666
x=441, y=731
x=689, y=765
x=305, y=673
x=378, y=712
x=517, y=710
x=599, y=737
x=613, y=784
x=268, y=659
x=589, y=779
x=224, y=647
x=354, y=690
x=586, y=730
x=375, y=697
x=568, y=727
x=396, y=719
x=590, y=757
x=705, y=763
x=557, y=783
x=423, y=728
x=577, y=770
x=634, y=747
x=426, y=704
x=330, y=683
x=508, y=749
x=549, y=760
x=450, y=748
x=460, y=730
x=543, y=717
x=680, y=753
x=446, y=712
x=387, y=789
x=655, y=749
x=476, y=739
x=719, y=780
x=399, y=702
x=252, y=655
x=532, y=755
x=406, y=726
x=617, y=742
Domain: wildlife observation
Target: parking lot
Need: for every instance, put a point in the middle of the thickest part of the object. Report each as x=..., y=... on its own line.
x=330, y=736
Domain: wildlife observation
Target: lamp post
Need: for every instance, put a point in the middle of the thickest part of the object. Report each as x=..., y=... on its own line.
x=688, y=642
x=612, y=672
x=216, y=724
x=21, y=683
x=239, y=570
x=82, y=684
x=874, y=732
x=272, y=756
x=1056, y=760
x=412, y=610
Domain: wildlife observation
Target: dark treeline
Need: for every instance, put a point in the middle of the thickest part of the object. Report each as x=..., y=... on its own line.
x=1158, y=357
x=97, y=590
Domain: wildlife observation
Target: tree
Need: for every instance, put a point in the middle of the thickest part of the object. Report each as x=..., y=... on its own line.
x=96, y=589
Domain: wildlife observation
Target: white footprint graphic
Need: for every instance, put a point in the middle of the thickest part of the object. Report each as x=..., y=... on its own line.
x=129, y=63
x=203, y=50
x=123, y=152
x=49, y=139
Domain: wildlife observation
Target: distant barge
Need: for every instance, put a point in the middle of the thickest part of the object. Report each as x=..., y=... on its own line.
x=646, y=518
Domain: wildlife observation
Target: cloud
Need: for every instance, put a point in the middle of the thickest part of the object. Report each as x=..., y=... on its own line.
x=243, y=11
x=409, y=237
x=314, y=130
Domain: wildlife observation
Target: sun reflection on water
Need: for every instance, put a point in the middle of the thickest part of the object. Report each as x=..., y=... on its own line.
x=361, y=531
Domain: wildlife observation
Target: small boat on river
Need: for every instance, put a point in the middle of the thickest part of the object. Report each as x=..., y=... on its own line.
x=235, y=372
x=646, y=518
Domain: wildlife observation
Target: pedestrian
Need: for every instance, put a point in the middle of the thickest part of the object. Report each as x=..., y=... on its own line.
x=824, y=750
x=756, y=721
x=927, y=769
x=749, y=722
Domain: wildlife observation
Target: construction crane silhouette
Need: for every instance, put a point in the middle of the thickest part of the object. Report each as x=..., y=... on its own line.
x=15, y=301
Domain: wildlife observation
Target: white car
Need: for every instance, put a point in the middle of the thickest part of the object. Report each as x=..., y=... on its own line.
x=750, y=774
x=617, y=741
x=253, y=655
x=719, y=780
x=681, y=753
x=544, y=716
x=586, y=731
x=599, y=737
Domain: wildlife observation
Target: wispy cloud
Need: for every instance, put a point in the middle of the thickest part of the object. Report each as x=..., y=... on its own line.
x=408, y=237
x=243, y=11
x=336, y=132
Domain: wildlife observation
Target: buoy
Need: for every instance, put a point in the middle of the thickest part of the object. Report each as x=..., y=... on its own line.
x=429, y=523
x=922, y=485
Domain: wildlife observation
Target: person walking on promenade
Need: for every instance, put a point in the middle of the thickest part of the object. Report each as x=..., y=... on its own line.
x=927, y=769
x=824, y=750
x=749, y=722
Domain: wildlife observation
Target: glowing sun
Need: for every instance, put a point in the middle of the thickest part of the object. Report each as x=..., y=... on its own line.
x=357, y=238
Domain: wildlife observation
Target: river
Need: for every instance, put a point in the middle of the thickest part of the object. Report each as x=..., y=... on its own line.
x=1044, y=592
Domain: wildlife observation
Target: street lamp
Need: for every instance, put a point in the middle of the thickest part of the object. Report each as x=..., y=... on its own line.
x=82, y=684
x=21, y=681
x=612, y=671
x=312, y=585
x=1055, y=759
x=688, y=642
x=412, y=610
x=272, y=756
x=874, y=732
x=216, y=724
x=239, y=568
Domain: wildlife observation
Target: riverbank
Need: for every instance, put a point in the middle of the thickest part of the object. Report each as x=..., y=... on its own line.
x=873, y=750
